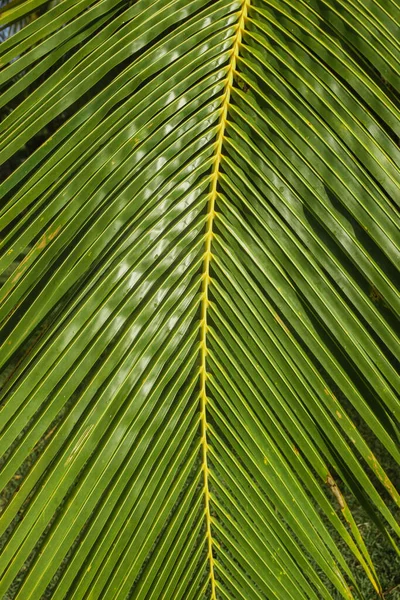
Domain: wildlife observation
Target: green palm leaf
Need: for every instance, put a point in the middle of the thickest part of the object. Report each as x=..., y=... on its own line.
x=199, y=302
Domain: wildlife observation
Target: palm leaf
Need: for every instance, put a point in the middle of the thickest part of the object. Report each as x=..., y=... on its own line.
x=199, y=303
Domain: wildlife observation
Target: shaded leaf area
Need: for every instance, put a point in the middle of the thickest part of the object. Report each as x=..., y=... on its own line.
x=112, y=115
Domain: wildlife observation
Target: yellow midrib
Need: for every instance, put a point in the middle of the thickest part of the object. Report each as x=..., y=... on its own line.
x=206, y=281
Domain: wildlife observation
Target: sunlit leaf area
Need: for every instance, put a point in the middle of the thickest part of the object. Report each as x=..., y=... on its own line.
x=199, y=299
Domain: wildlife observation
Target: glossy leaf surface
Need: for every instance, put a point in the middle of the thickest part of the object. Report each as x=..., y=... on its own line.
x=199, y=302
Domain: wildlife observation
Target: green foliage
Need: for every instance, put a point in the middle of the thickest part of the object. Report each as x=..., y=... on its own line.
x=199, y=299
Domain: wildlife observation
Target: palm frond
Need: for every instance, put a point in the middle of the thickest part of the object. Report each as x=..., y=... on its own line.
x=199, y=302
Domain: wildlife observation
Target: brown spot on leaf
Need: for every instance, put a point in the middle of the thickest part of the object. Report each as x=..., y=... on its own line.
x=335, y=491
x=42, y=243
x=55, y=233
x=376, y=296
x=383, y=478
x=17, y=276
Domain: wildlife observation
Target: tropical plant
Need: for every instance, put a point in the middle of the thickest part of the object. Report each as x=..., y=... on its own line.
x=200, y=244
